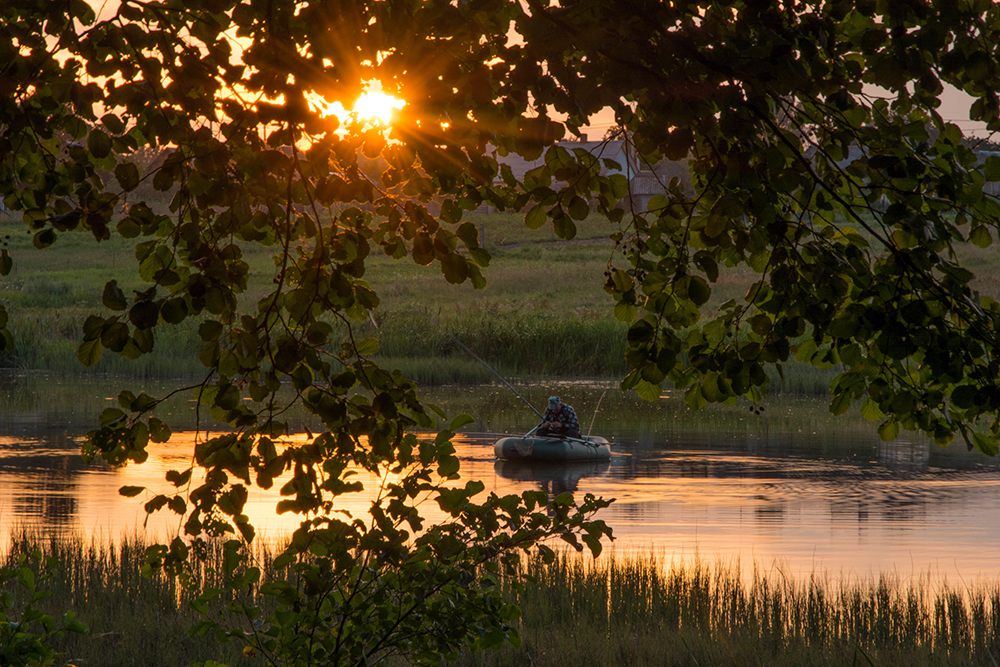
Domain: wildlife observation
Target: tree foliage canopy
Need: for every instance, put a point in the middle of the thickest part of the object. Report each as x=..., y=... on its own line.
x=818, y=160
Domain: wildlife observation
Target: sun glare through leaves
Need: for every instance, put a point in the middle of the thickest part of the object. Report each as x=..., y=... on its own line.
x=373, y=109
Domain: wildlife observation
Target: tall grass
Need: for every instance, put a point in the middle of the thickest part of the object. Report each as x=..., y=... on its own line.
x=633, y=608
x=47, y=340
x=512, y=343
x=636, y=609
x=132, y=620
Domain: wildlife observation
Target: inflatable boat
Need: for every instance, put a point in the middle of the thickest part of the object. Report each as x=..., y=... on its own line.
x=538, y=448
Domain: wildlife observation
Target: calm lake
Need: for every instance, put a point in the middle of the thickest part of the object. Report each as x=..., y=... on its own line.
x=792, y=488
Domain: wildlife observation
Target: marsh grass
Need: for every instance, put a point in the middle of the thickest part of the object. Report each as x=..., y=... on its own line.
x=512, y=343
x=626, y=608
x=47, y=340
x=638, y=609
x=132, y=619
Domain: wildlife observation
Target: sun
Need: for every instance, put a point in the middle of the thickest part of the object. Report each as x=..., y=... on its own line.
x=372, y=109
x=377, y=107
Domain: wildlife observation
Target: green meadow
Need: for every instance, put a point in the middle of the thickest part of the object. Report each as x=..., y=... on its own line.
x=543, y=314
x=621, y=609
x=544, y=311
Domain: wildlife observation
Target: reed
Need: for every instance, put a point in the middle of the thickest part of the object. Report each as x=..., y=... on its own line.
x=637, y=609
x=47, y=340
x=522, y=345
x=132, y=619
x=514, y=344
x=626, y=608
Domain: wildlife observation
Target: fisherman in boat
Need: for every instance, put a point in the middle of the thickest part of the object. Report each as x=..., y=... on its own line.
x=559, y=420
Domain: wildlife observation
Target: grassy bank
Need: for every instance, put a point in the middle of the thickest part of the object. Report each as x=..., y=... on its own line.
x=544, y=312
x=623, y=609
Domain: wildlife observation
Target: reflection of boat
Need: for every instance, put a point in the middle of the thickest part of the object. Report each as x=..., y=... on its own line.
x=552, y=476
x=547, y=472
x=537, y=448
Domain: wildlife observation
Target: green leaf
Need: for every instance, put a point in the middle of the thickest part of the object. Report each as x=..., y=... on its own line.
x=128, y=176
x=6, y=262
x=210, y=330
x=114, y=123
x=450, y=211
x=888, y=431
x=44, y=239
x=177, y=478
x=423, y=250
x=27, y=577
x=113, y=297
x=987, y=444
x=158, y=431
x=128, y=228
x=111, y=416
x=619, y=184
x=173, y=311
x=760, y=324
x=694, y=398
x=455, y=268
x=594, y=542
x=284, y=560
x=564, y=227
x=367, y=347
x=131, y=491
x=625, y=312
x=469, y=234
x=89, y=352
x=144, y=315
x=460, y=421
x=72, y=624
x=578, y=208
x=564, y=498
x=98, y=143
x=246, y=530
x=870, y=411
x=981, y=236
x=964, y=396
x=648, y=391
x=698, y=291
x=840, y=404
x=991, y=168
x=535, y=218
x=449, y=466
x=177, y=505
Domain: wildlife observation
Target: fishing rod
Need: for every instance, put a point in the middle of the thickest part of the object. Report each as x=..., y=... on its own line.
x=476, y=357
x=595, y=413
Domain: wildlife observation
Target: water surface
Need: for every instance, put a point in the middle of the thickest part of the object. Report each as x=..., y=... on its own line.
x=793, y=488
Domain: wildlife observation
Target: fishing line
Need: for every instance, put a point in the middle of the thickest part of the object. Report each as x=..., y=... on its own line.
x=476, y=357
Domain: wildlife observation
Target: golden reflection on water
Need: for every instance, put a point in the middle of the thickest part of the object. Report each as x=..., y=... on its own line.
x=799, y=514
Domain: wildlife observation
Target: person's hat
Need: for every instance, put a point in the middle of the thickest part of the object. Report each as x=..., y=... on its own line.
x=554, y=402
